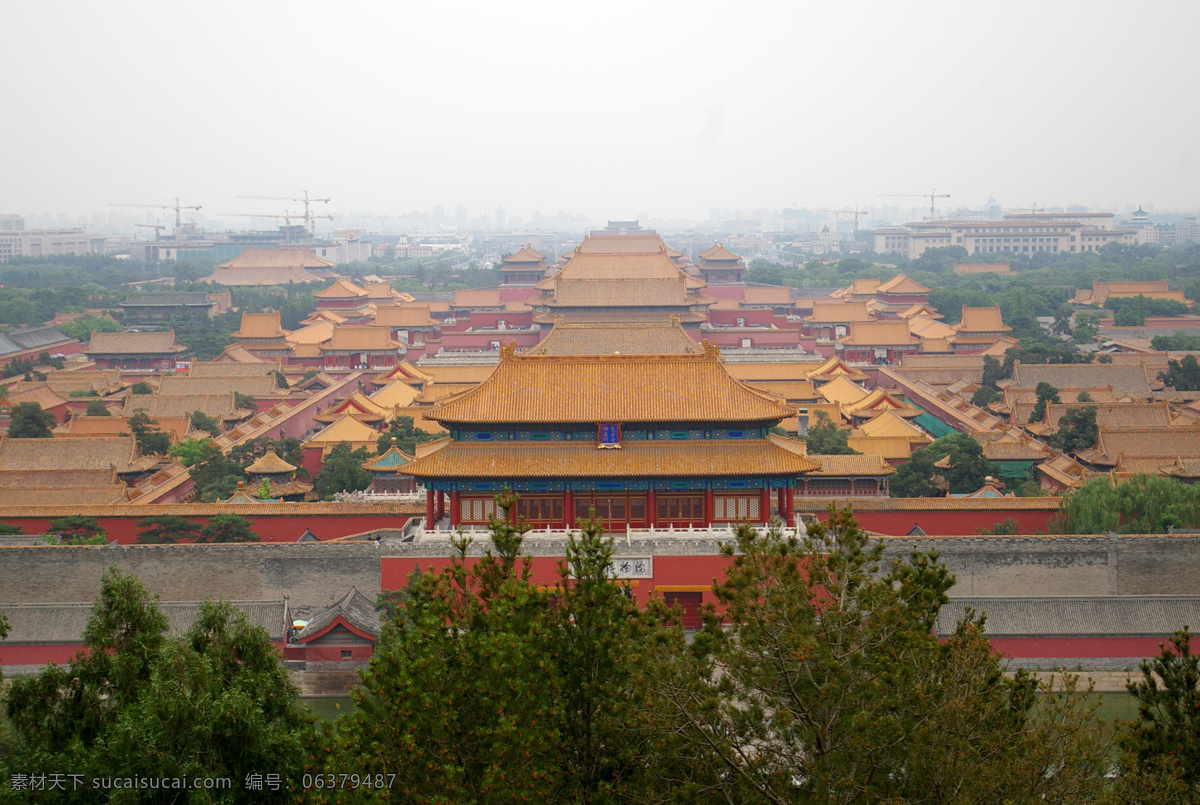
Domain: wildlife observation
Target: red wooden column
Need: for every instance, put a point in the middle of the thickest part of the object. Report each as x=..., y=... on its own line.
x=651, y=510
x=569, y=508
x=708, y=507
x=430, y=514
x=441, y=505
x=764, y=505
x=790, y=495
x=454, y=516
x=780, y=504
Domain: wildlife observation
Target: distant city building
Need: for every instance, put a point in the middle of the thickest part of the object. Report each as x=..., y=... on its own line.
x=21, y=242
x=1024, y=233
x=12, y=223
x=1187, y=230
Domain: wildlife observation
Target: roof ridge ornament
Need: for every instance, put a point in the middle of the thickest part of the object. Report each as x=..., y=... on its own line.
x=711, y=350
x=508, y=351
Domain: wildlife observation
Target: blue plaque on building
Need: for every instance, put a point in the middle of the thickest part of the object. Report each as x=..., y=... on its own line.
x=610, y=436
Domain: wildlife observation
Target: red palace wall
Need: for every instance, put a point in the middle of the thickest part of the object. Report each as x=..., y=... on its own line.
x=274, y=527
x=671, y=573
x=60, y=653
x=1034, y=647
x=947, y=522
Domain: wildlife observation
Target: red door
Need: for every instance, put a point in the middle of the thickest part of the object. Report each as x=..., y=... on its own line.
x=689, y=604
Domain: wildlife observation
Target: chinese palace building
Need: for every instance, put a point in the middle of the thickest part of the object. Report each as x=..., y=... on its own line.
x=621, y=276
x=646, y=441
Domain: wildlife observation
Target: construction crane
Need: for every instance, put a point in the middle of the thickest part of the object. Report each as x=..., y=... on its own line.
x=1034, y=210
x=309, y=218
x=176, y=206
x=931, y=195
x=158, y=228
x=856, y=212
x=286, y=216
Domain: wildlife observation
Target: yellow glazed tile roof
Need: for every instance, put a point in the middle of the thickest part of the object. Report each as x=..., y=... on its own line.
x=270, y=464
x=891, y=448
x=902, y=284
x=868, y=464
x=260, y=326
x=633, y=460
x=395, y=393
x=610, y=388
x=842, y=391
x=630, y=338
x=342, y=289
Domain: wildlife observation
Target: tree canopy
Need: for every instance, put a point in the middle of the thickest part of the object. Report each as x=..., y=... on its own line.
x=29, y=421
x=967, y=471
x=342, y=471
x=1143, y=504
x=1184, y=374
x=1077, y=429
x=215, y=703
x=827, y=439
x=407, y=437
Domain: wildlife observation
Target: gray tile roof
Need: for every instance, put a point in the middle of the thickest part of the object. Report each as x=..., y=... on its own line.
x=1076, y=616
x=35, y=337
x=355, y=607
x=64, y=623
x=167, y=300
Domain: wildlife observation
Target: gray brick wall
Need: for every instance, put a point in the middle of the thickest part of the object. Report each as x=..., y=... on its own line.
x=315, y=575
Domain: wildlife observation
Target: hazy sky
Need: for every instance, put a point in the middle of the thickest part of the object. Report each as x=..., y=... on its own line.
x=606, y=109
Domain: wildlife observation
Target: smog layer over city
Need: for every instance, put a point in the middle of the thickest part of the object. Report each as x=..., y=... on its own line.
x=600, y=403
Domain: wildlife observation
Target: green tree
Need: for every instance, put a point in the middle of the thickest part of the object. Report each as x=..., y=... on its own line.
x=342, y=471
x=225, y=528
x=485, y=687
x=190, y=452
x=97, y=408
x=244, y=401
x=1143, y=504
x=984, y=396
x=822, y=680
x=826, y=439
x=407, y=437
x=1077, y=429
x=62, y=713
x=993, y=371
x=967, y=469
x=1183, y=375
x=150, y=440
x=1167, y=733
x=29, y=421
x=82, y=328
x=214, y=474
x=141, y=387
x=465, y=713
x=1062, y=320
x=1087, y=327
x=1180, y=341
x=203, y=422
x=1045, y=393
x=216, y=703
x=167, y=529
x=77, y=529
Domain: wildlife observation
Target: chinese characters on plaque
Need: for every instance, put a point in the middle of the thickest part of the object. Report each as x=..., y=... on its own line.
x=631, y=567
